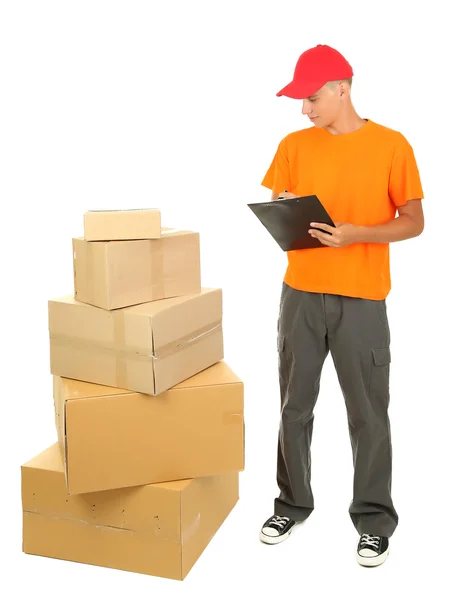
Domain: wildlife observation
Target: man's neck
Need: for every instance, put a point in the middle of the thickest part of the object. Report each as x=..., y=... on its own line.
x=346, y=124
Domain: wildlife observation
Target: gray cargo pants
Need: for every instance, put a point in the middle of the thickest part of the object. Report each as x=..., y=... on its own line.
x=356, y=331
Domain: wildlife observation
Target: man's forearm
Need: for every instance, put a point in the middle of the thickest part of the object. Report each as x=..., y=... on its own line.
x=401, y=228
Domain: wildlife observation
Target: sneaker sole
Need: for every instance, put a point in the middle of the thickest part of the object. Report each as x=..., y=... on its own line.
x=269, y=539
x=368, y=561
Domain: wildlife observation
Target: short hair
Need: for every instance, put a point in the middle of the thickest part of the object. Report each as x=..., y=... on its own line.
x=333, y=84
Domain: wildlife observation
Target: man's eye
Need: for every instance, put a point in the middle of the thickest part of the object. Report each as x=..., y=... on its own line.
x=313, y=99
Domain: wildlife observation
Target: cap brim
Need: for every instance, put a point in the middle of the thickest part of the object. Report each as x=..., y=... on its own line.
x=301, y=90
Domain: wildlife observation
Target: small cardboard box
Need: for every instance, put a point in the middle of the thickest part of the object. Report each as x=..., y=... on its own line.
x=124, y=273
x=136, y=224
x=146, y=348
x=113, y=438
x=159, y=529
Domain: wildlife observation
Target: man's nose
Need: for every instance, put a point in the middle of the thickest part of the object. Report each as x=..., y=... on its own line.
x=306, y=108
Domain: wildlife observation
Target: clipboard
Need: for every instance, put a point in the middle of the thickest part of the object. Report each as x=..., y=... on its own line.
x=288, y=220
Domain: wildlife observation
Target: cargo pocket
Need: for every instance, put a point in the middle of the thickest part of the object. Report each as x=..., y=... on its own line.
x=379, y=377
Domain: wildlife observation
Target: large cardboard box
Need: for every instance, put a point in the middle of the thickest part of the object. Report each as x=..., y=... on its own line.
x=118, y=274
x=134, y=224
x=159, y=529
x=113, y=438
x=146, y=348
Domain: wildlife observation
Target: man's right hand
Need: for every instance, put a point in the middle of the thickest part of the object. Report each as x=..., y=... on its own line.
x=275, y=196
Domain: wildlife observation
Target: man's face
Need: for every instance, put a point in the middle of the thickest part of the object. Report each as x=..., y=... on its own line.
x=323, y=107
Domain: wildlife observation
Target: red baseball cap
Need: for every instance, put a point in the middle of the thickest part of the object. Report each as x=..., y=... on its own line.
x=314, y=69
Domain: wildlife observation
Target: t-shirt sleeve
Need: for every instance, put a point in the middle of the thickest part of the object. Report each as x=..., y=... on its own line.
x=404, y=179
x=277, y=177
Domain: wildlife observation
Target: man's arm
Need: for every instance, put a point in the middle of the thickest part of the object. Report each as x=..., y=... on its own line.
x=409, y=224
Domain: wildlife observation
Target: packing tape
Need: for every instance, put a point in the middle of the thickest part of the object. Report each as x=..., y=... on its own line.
x=112, y=348
x=67, y=516
x=186, y=341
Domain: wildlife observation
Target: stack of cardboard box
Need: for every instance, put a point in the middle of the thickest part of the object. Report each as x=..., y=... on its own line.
x=149, y=417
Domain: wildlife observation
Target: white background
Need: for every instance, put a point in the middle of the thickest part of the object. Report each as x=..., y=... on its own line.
x=173, y=105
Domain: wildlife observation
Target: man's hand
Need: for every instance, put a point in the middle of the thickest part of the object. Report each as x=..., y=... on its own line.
x=285, y=194
x=342, y=235
x=288, y=195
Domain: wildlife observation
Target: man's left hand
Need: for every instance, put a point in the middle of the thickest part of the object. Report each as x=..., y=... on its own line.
x=343, y=234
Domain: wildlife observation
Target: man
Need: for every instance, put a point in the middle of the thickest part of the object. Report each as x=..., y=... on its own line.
x=333, y=297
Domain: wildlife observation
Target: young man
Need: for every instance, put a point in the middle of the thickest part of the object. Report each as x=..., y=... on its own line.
x=333, y=297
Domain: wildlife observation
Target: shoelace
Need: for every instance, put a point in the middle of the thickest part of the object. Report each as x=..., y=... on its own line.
x=279, y=521
x=370, y=540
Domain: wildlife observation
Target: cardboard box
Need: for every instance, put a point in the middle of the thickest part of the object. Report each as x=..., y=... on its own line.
x=137, y=224
x=119, y=274
x=146, y=348
x=113, y=438
x=159, y=529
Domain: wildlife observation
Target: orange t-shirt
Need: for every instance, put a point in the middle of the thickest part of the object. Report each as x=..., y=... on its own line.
x=361, y=178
